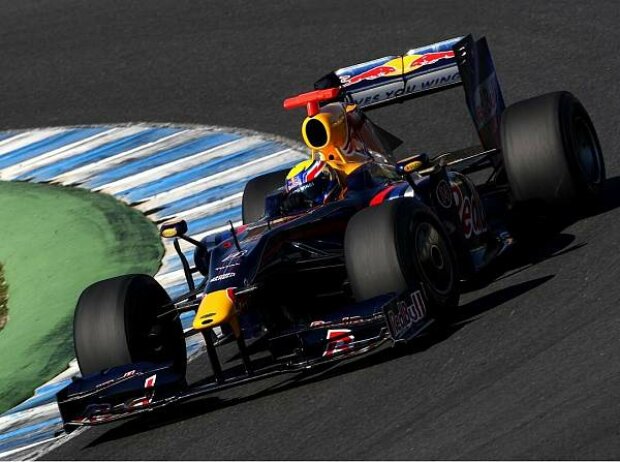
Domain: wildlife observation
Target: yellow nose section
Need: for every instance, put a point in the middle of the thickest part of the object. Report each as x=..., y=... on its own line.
x=217, y=308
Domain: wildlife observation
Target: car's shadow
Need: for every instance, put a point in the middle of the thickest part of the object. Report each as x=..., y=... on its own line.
x=540, y=238
x=610, y=196
x=548, y=242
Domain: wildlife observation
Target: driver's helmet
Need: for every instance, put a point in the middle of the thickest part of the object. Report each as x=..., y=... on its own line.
x=310, y=183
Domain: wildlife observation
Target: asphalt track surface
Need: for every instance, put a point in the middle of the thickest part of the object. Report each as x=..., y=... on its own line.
x=532, y=370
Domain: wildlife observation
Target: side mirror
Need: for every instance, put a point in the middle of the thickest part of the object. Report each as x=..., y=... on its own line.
x=413, y=163
x=412, y=166
x=173, y=228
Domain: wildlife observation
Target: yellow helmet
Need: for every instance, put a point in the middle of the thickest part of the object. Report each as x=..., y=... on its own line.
x=310, y=183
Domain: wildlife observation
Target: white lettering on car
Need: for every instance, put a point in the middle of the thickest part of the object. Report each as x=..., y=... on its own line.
x=471, y=212
x=220, y=277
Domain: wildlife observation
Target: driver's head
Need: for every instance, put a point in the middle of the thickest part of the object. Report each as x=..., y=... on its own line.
x=310, y=183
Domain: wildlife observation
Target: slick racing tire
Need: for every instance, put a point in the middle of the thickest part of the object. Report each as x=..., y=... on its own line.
x=116, y=322
x=396, y=245
x=551, y=151
x=255, y=193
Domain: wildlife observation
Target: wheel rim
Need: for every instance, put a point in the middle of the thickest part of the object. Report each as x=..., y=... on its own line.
x=433, y=256
x=587, y=151
x=155, y=339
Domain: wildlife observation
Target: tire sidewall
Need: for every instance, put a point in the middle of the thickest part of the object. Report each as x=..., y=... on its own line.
x=113, y=318
x=541, y=151
x=570, y=109
x=380, y=254
x=413, y=216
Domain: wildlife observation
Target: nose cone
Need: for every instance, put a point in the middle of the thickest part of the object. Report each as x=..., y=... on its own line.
x=215, y=309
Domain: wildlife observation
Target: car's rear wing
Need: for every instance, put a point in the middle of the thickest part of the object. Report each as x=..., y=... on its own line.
x=420, y=71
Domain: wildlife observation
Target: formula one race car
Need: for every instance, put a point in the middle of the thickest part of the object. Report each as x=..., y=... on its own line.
x=347, y=251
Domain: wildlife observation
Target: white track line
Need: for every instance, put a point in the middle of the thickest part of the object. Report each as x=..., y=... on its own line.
x=246, y=170
x=171, y=279
x=69, y=150
x=179, y=165
x=24, y=139
x=204, y=210
x=42, y=412
x=73, y=370
x=5, y=455
x=82, y=173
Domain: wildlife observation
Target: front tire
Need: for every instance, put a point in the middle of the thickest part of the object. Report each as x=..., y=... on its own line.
x=396, y=245
x=116, y=322
x=551, y=150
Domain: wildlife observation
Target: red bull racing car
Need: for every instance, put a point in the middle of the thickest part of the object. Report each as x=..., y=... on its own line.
x=347, y=251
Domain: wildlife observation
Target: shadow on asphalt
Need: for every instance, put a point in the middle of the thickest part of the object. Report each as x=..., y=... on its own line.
x=548, y=241
x=610, y=196
x=541, y=237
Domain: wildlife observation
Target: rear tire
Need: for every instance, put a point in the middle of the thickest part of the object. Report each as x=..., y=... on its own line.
x=116, y=323
x=551, y=151
x=393, y=246
x=255, y=193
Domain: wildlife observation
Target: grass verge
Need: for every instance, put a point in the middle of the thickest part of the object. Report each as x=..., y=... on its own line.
x=55, y=242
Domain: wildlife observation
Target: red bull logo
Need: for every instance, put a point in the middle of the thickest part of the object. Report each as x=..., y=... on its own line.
x=430, y=58
x=370, y=74
x=471, y=212
x=394, y=67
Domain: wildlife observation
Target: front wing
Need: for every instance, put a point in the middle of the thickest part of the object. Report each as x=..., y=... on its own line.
x=132, y=389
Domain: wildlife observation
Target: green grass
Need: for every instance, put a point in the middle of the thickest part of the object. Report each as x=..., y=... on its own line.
x=55, y=241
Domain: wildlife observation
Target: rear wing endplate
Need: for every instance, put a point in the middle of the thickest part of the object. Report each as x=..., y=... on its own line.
x=483, y=93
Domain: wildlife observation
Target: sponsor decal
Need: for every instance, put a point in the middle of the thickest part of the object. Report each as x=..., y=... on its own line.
x=406, y=314
x=221, y=277
x=339, y=342
x=471, y=212
x=229, y=265
x=346, y=321
x=428, y=59
x=383, y=67
x=150, y=382
x=486, y=97
x=415, y=84
x=126, y=375
x=370, y=74
x=234, y=256
x=444, y=194
x=487, y=106
x=396, y=67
